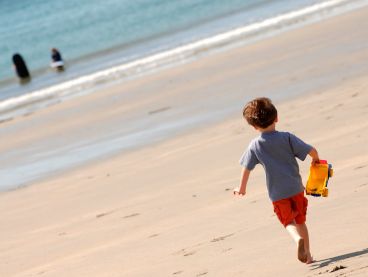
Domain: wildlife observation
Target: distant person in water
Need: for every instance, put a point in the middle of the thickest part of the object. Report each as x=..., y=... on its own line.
x=21, y=69
x=56, y=60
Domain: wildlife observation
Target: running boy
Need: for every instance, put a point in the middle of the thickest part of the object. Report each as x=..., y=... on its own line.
x=276, y=151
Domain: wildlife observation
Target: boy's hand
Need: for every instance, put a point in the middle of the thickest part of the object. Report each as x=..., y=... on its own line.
x=315, y=161
x=238, y=192
x=314, y=154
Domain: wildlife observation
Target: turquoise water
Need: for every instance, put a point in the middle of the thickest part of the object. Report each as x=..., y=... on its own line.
x=84, y=27
x=81, y=28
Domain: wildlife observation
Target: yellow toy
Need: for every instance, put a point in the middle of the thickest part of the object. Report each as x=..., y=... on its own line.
x=319, y=175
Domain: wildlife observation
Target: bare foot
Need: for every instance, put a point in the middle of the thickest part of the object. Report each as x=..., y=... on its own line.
x=310, y=259
x=302, y=256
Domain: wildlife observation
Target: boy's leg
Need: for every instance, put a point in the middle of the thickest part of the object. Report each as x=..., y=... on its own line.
x=302, y=230
x=300, y=203
x=292, y=214
x=299, y=240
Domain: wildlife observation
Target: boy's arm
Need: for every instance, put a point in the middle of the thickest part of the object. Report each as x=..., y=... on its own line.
x=314, y=154
x=243, y=184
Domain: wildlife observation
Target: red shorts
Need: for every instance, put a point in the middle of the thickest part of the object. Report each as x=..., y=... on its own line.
x=292, y=208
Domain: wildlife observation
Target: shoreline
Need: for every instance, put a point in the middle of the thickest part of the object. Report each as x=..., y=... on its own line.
x=61, y=87
x=168, y=209
x=179, y=99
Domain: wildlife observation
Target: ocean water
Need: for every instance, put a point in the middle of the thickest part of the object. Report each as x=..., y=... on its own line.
x=83, y=28
x=110, y=41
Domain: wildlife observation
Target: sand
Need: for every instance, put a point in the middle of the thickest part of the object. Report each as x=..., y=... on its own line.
x=167, y=209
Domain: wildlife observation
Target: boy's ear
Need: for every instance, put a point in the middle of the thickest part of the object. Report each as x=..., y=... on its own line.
x=276, y=119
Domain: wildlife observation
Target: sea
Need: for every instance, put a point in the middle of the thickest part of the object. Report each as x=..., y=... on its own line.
x=110, y=41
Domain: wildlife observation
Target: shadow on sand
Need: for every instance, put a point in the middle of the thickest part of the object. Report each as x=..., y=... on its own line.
x=326, y=262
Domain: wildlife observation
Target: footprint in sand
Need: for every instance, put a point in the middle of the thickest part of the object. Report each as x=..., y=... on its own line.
x=184, y=252
x=159, y=110
x=355, y=95
x=131, y=215
x=339, y=105
x=189, y=254
x=336, y=268
x=104, y=214
x=221, y=238
x=6, y=120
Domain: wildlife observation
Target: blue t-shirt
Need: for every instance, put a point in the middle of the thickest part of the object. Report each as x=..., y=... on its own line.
x=276, y=151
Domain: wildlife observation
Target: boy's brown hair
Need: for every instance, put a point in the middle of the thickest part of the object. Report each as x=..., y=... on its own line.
x=260, y=112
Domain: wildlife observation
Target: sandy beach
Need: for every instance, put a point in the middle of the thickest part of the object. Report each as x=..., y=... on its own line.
x=165, y=207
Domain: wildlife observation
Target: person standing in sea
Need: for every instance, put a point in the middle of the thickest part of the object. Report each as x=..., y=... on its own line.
x=21, y=69
x=56, y=60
